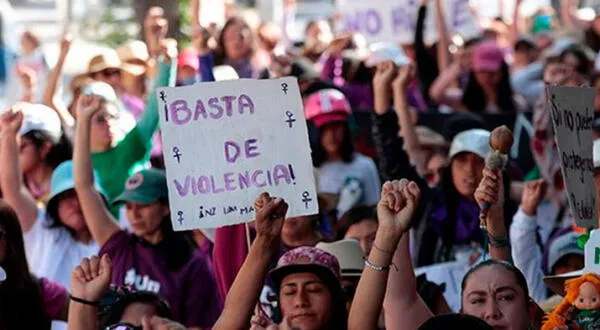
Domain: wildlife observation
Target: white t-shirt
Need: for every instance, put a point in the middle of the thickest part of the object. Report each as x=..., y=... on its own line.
x=52, y=252
x=331, y=177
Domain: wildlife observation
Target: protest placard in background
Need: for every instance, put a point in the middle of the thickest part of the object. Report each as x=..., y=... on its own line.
x=450, y=274
x=572, y=111
x=383, y=20
x=227, y=142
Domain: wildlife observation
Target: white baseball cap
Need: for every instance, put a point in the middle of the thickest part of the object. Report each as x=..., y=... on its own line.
x=386, y=51
x=596, y=153
x=38, y=117
x=562, y=246
x=476, y=141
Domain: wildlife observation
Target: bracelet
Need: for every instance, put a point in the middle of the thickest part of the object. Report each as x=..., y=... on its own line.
x=498, y=241
x=377, y=268
x=382, y=250
x=85, y=302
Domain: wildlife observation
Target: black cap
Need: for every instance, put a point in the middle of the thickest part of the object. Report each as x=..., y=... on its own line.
x=460, y=122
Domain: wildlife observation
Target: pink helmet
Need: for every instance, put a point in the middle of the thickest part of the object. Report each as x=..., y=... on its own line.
x=327, y=106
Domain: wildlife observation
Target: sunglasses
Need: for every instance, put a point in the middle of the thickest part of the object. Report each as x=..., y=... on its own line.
x=123, y=326
x=110, y=72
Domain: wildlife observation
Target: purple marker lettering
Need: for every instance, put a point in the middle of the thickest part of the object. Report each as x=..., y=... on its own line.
x=194, y=187
x=215, y=189
x=228, y=106
x=244, y=101
x=200, y=110
x=252, y=148
x=352, y=22
x=203, y=185
x=229, y=186
x=182, y=190
x=213, y=102
x=280, y=172
x=269, y=178
x=244, y=179
x=231, y=157
x=259, y=184
x=177, y=107
x=373, y=22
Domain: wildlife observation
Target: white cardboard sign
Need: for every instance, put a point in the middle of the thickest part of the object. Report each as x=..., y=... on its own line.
x=449, y=273
x=572, y=111
x=384, y=20
x=226, y=142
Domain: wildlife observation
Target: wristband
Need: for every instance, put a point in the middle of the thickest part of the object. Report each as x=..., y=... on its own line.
x=85, y=302
x=377, y=268
x=498, y=241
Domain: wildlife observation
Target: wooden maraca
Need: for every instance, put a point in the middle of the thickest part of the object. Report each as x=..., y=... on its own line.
x=501, y=140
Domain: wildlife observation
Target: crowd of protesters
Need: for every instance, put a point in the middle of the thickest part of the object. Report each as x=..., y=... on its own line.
x=86, y=240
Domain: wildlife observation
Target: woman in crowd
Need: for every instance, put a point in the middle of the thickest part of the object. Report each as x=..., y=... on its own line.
x=359, y=223
x=448, y=217
x=488, y=87
x=43, y=147
x=152, y=257
x=133, y=310
x=56, y=236
x=307, y=280
x=116, y=159
x=340, y=171
x=494, y=290
x=236, y=48
x=29, y=302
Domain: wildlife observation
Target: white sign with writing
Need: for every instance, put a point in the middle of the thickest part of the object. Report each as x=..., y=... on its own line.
x=572, y=111
x=384, y=20
x=450, y=274
x=227, y=142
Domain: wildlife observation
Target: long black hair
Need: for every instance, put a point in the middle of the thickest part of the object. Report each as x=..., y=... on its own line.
x=521, y=281
x=319, y=155
x=474, y=97
x=60, y=151
x=116, y=310
x=21, y=303
x=177, y=247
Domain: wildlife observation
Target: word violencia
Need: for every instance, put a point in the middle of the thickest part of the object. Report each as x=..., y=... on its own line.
x=215, y=184
x=180, y=113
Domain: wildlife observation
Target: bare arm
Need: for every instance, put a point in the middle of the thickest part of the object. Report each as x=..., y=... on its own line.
x=54, y=75
x=404, y=308
x=245, y=291
x=514, y=28
x=439, y=88
x=568, y=16
x=101, y=223
x=195, y=13
x=11, y=178
x=395, y=210
x=491, y=191
x=89, y=282
x=443, y=57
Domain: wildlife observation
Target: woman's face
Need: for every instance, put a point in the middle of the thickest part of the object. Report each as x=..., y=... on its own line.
x=104, y=128
x=319, y=32
x=435, y=165
x=364, y=232
x=31, y=156
x=305, y=301
x=69, y=211
x=466, y=173
x=488, y=79
x=493, y=294
x=135, y=312
x=145, y=220
x=332, y=137
x=236, y=39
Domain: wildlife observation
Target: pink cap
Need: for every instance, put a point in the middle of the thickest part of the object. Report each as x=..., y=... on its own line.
x=307, y=259
x=487, y=57
x=188, y=57
x=327, y=106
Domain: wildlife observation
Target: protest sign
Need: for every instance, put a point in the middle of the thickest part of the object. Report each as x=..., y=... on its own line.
x=383, y=20
x=226, y=142
x=450, y=274
x=572, y=111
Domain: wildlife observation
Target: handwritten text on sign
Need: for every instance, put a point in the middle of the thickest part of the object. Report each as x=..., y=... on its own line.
x=227, y=142
x=384, y=20
x=572, y=110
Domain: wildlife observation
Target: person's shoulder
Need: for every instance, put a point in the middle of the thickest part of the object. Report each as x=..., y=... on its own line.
x=119, y=241
x=362, y=160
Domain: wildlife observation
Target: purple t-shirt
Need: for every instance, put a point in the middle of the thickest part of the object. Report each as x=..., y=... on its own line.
x=190, y=290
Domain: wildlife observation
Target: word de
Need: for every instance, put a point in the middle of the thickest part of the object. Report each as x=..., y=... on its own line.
x=233, y=150
x=216, y=108
x=215, y=184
